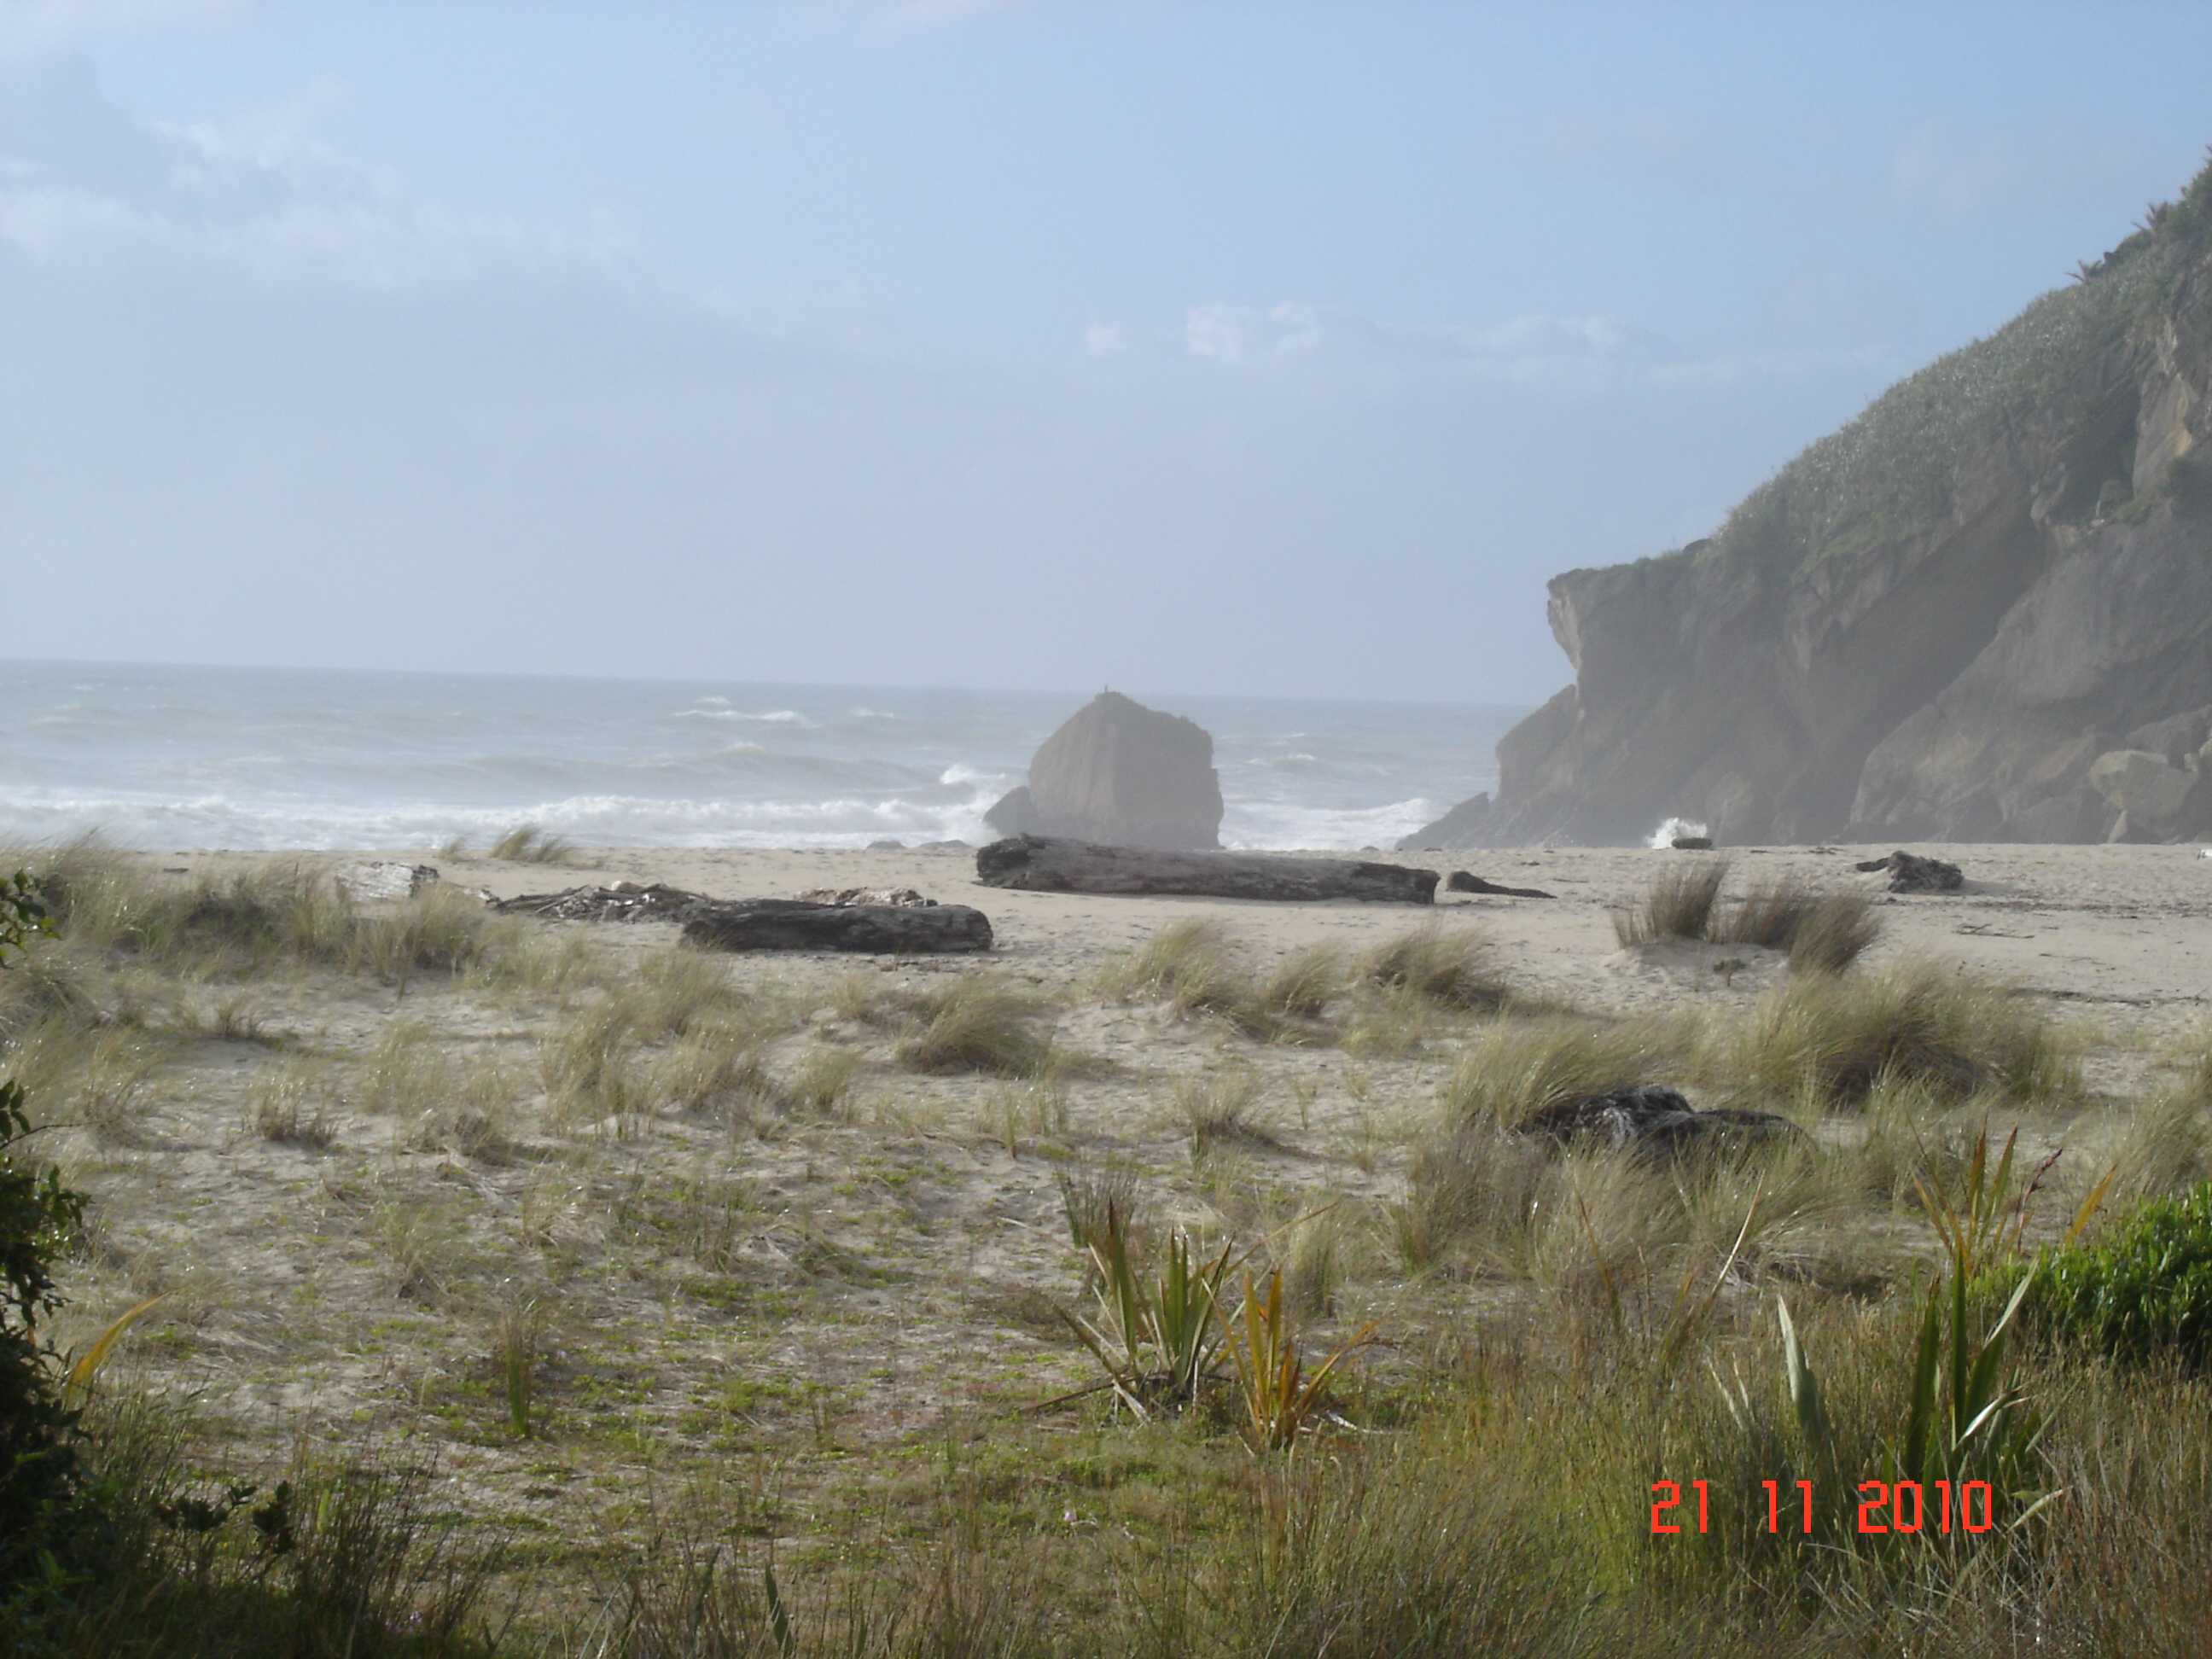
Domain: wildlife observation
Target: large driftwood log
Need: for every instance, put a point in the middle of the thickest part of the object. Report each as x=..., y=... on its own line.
x=797, y=925
x=1045, y=864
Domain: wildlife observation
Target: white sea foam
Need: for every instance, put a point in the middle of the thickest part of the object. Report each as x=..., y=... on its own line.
x=772, y=717
x=1664, y=837
x=163, y=758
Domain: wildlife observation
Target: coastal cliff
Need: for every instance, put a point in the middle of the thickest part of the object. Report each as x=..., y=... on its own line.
x=1981, y=610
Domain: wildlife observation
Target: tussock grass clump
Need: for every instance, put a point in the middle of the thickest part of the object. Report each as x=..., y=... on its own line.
x=976, y=1023
x=1451, y=969
x=94, y=1079
x=678, y=988
x=1518, y=1068
x=1821, y=932
x=1091, y=1192
x=713, y=1067
x=822, y=1081
x=288, y=1104
x=1836, y=1039
x=438, y=930
x=1469, y=1189
x=528, y=844
x=1305, y=982
x=1188, y=965
x=587, y=1064
x=1840, y=929
x=1679, y=903
x=1222, y=1107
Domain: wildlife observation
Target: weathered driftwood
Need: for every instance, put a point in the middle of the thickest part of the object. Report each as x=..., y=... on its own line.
x=865, y=895
x=1657, y=1120
x=797, y=925
x=1045, y=864
x=385, y=878
x=626, y=901
x=1910, y=874
x=1461, y=882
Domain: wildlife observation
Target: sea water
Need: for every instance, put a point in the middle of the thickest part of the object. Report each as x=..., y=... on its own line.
x=170, y=757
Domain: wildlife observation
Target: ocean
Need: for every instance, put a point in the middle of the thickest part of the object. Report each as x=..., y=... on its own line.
x=170, y=758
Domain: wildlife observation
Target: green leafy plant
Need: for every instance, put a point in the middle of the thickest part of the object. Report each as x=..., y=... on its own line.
x=2142, y=1292
x=1281, y=1399
x=1964, y=1420
x=1156, y=1342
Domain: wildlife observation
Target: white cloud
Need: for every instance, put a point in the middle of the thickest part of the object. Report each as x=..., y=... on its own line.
x=1563, y=353
x=257, y=195
x=1247, y=334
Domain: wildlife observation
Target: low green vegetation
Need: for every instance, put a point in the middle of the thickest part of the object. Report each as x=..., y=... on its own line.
x=2141, y=1291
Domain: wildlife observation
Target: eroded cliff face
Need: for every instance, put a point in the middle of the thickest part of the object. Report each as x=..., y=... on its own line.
x=1952, y=619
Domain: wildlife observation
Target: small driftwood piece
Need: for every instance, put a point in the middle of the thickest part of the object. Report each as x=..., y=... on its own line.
x=1461, y=882
x=626, y=901
x=1047, y=864
x=797, y=925
x=906, y=895
x=1910, y=874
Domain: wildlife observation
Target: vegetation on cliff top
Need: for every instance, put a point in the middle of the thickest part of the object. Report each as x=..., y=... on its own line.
x=1895, y=466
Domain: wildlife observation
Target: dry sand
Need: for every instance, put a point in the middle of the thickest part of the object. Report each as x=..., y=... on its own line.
x=2120, y=926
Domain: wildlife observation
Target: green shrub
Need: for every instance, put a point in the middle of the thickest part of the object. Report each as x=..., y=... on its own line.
x=41, y=1509
x=2143, y=1292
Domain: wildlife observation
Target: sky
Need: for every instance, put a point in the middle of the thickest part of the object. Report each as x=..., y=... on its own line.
x=1274, y=349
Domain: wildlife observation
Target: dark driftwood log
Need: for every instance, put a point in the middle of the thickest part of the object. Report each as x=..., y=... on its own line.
x=1045, y=864
x=1653, y=1120
x=1461, y=882
x=1910, y=874
x=796, y=925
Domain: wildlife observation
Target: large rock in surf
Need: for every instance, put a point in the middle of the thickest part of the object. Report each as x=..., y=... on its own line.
x=1933, y=623
x=1122, y=773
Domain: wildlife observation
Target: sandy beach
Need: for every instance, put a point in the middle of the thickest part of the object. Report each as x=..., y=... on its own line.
x=743, y=1245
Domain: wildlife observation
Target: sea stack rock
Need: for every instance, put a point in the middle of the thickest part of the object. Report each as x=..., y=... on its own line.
x=1120, y=773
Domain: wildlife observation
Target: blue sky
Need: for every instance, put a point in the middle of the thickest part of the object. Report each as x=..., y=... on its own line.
x=1271, y=349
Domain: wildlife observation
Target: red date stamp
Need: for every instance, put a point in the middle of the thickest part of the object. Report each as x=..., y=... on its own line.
x=1884, y=1506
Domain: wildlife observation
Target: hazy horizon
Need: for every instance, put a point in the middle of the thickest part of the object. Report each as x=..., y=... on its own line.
x=1077, y=695
x=1266, y=351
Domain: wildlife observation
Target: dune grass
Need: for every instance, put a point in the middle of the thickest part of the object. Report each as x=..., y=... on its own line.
x=526, y=843
x=978, y=1022
x=1819, y=930
x=1305, y=982
x=1677, y=904
x=1836, y=1039
x=1221, y=1108
x=1455, y=969
x=1518, y=1068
